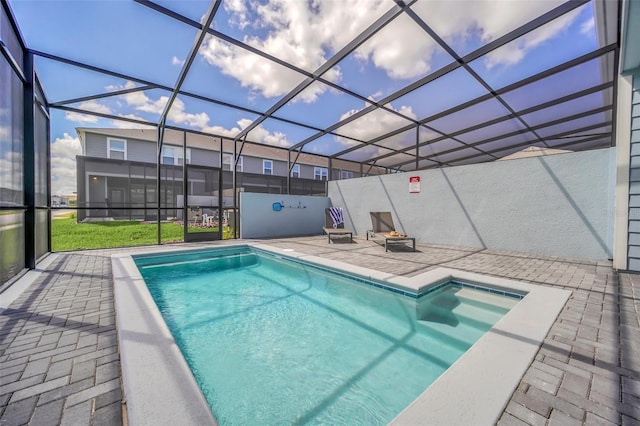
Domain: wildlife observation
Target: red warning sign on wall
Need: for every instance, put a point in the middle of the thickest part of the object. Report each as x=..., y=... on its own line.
x=414, y=184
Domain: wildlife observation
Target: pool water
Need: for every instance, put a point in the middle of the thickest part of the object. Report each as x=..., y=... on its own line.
x=272, y=341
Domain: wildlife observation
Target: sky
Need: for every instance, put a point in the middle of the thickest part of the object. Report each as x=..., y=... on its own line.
x=129, y=38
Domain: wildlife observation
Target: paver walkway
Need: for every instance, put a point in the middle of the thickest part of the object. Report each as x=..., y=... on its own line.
x=59, y=357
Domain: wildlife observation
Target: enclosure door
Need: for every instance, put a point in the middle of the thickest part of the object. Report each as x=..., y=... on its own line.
x=202, y=213
x=115, y=200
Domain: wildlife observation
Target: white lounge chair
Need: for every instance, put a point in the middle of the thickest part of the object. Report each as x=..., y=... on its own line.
x=334, y=224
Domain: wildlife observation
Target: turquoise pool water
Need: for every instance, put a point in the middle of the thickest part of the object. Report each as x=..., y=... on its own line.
x=272, y=341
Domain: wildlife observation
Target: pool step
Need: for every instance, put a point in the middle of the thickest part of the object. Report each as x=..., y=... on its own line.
x=484, y=299
x=453, y=302
x=445, y=337
x=463, y=333
x=478, y=317
x=463, y=322
x=464, y=314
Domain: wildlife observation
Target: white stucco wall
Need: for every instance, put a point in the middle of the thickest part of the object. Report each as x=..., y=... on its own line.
x=558, y=205
x=302, y=215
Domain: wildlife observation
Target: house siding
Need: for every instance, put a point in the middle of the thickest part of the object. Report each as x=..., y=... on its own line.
x=96, y=145
x=306, y=171
x=633, y=237
x=280, y=168
x=203, y=157
x=140, y=150
x=251, y=164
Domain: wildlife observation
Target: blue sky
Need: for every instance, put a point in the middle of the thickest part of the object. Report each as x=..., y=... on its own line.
x=129, y=38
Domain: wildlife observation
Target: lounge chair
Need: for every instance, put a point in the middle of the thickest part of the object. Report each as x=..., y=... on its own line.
x=334, y=224
x=382, y=224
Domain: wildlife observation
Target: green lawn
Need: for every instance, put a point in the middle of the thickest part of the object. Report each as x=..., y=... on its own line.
x=66, y=234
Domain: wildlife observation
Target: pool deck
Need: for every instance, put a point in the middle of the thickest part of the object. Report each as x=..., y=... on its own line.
x=59, y=360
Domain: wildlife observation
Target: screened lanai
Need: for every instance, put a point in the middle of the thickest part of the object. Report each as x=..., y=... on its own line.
x=378, y=86
x=384, y=83
x=502, y=137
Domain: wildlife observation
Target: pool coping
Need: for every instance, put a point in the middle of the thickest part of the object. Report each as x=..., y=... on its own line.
x=504, y=352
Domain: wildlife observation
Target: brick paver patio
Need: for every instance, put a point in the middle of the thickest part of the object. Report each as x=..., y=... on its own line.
x=59, y=356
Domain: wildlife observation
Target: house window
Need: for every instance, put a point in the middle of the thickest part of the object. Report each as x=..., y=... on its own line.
x=227, y=160
x=167, y=155
x=320, y=173
x=267, y=167
x=172, y=155
x=295, y=171
x=117, y=149
x=346, y=174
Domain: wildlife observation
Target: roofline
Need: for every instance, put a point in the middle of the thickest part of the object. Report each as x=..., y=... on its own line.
x=111, y=131
x=80, y=132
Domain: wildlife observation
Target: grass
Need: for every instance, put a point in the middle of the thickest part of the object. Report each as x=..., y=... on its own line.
x=66, y=215
x=66, y=234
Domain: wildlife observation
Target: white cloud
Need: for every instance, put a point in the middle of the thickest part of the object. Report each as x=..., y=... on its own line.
x=376, y=96
x=4, y=133
x=63, y=164
x=303, y=33
x=129, y=125
x=491, y=19
x=252, y=71
x=87, y=118
x=259, y=134
x=80, y=118
x=177, y=114
x=515, y=51
x=401, y=49
x=140, y=101
x=230, y=133
x=588, y=26
x=94, y=106
x=137, y=99
x=377, y=123
x=307, y=33
x=155, y=107
x=116, y=87
x=238, y=11
x=176, y=61
x=486, y=19
x=262, y=135
x=133, y=98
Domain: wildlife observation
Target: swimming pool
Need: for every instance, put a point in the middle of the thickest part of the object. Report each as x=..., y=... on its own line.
x=275, y=341
x=159, y=387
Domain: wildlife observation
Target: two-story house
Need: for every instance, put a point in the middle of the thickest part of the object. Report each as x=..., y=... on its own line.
x=117, y=174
